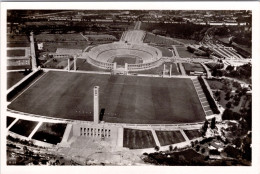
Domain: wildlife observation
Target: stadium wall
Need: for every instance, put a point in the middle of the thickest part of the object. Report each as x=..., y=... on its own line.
x=21, y=84
x=99, y=131
x=103, y=65
x=144, y=66
x=209, y=97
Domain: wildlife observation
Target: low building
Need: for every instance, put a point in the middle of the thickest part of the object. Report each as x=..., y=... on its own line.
x=66, y=53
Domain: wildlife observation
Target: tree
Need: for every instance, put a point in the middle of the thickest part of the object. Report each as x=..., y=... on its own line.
x=228, y=95
x=205, y=127
x=170, y=148
x=230, y=68
x=192, y=144
x=157, y=148
x=25, y=149
x=213, y=123
x=236, y=84
x=198, y=148
x=203, y=150
x=217, y=93
x=228, y=105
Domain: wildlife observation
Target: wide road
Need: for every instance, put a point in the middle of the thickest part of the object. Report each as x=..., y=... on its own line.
x=137, y=25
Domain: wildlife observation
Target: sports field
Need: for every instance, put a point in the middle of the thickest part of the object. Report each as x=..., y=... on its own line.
x=50, y=132
x=192, y=134
x=122, y=60
x=14, y=77
x=126, y=99
x=23, y=127
x=138, y=139
x=15, y=53
x=169, y=137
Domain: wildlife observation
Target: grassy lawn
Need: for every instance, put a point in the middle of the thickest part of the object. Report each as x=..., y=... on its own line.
x=19, y=89
x=56, y=63
x=169, y=137
x=83, y=65
x=193, y=67
x=126, y=99
x=192, y=134
x=50, y=132
x=59, y=37
x=123, y=60
x=52, y=46
x=159, y=70
x=184, y=53
x=156, y=39
x=18, y=41
x=175, y=70
x=186, y=41
x=23, y=127
x=215, y=84
x=138, y=139
x=224, y=83
x=165, y=52
x=19, y=67
x=15, y=53
x=9, y=120
x=14, y=77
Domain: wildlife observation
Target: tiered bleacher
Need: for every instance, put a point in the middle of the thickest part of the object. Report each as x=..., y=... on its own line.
x=134, y=36
x=222, y=51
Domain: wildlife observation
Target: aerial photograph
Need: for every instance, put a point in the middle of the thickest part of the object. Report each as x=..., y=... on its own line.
x=129, y=87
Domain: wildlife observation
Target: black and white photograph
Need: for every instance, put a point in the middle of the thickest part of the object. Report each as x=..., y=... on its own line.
x=128, y=87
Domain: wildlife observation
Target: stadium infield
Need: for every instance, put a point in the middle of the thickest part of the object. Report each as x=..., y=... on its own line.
x=125, y=99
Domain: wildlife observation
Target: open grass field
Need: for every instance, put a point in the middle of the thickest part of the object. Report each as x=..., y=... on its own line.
x=169, y=137
x=126, y=99
x=175, y=70
x=17, y=41
x=22, y=86
x=83, y=65
x=191, y=67
x=57, y=63
x=138, y=139
x=123, y=60
x=159, y=70
x=19, y=67
x=165, y=52
x=184, y=53
x=215, y=84
x=15, y=53
x=43, y=37
x=52, y=46
x=14, y=77
x=9, y=120
x=186, y=41
x=157, y=39
x=192, y=134
x=50, y=132
x=23, y=127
